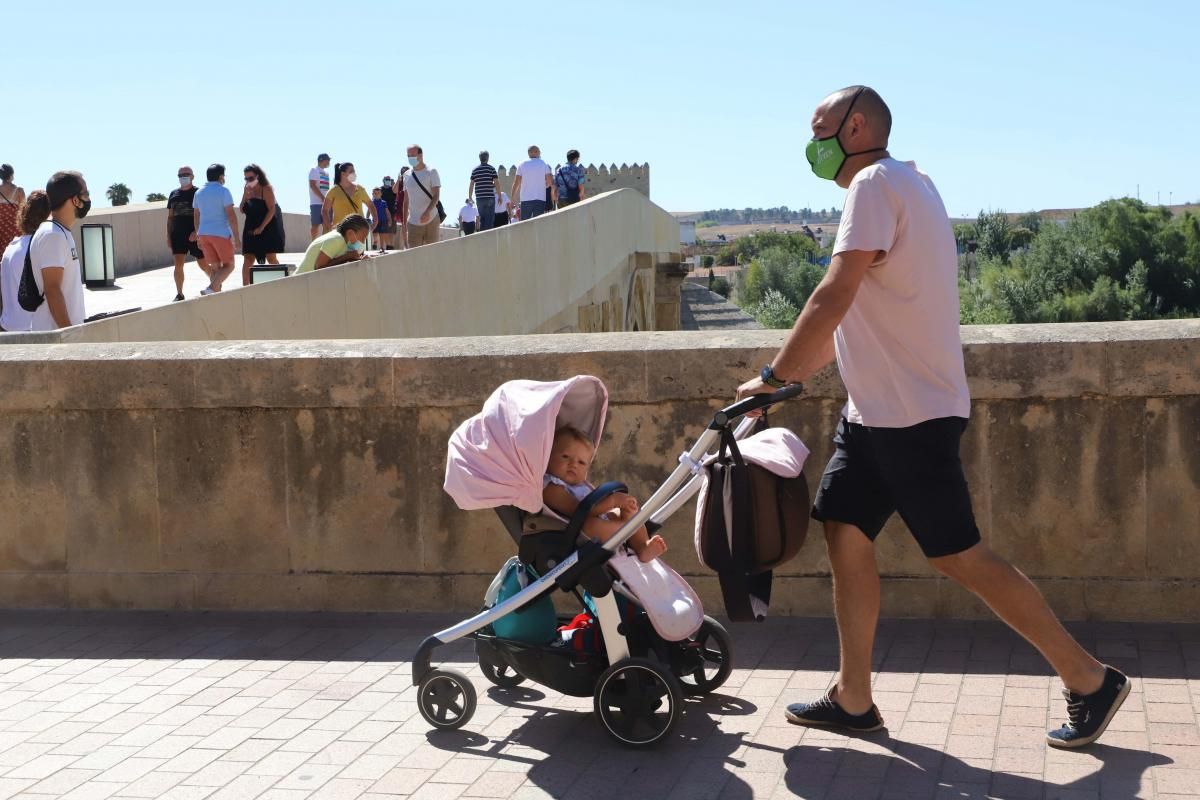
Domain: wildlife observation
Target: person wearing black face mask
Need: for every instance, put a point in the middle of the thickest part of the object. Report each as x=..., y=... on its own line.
x=53, y=256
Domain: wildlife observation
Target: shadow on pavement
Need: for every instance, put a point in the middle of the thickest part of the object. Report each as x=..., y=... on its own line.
x=911, y=770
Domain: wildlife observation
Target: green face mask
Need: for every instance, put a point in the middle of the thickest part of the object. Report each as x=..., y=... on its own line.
x=826, y=156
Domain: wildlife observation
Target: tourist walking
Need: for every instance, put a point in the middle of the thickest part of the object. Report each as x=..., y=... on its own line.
x=484, y=186
x=34, y=211
x=533, y=185
x=400, y=239
x=346, y=197
x=422, y=192
x=181, y=227
x=263, y=237
x=318, y=187
x=216, y=227
x=388, y=190
x=383, y=217
x=345, y=243
x=467, y=217
x=569, y=180
x=502, y=209
x=53, y=256
x=887, y=310
x=11, y=198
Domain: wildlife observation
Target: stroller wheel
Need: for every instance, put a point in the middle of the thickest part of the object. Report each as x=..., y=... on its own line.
x=707, y=658
x=501, y=675
x=446, y=699
x=638, y=701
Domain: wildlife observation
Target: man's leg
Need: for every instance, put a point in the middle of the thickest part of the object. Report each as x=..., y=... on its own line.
x=1018, y=602
x=314, y=220
x=487, y=214
x=856, y=609
x=179, y=259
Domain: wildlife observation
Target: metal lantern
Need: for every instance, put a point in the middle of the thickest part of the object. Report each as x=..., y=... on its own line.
x=99, y=266
x=270, y=272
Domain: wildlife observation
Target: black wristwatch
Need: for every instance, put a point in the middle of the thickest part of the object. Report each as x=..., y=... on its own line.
x=767, y=376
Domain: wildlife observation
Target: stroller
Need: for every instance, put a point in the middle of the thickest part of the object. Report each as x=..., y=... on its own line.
x=655, y=642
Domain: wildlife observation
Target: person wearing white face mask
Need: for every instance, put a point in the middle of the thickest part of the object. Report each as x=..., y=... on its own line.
x=181, y=227
x=423, y=214
x=347, y=197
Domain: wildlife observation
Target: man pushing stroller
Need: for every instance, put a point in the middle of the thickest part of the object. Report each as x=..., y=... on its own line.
x=888, y=311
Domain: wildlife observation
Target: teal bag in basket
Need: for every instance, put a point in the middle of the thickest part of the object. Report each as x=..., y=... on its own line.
x=536, y=623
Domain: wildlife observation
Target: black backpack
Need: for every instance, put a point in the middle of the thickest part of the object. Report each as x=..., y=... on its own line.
x=28, y=295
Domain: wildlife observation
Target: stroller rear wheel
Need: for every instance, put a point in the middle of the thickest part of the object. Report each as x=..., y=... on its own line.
x=501, y=675
x=446, y=699
x=707, y=658
x=638, y=701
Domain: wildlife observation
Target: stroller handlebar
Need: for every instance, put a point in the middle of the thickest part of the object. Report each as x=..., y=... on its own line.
x=753, y=403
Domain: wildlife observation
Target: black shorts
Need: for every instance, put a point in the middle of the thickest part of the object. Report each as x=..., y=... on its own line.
x=915, y=471
x=180, y=245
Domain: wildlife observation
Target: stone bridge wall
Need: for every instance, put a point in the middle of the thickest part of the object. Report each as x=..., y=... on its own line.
x=591, y=267
x=304, y=475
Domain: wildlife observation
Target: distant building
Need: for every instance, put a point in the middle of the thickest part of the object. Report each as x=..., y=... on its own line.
x=687, y=232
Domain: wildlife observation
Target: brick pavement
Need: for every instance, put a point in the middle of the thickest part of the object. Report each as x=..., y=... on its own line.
x=145, y=705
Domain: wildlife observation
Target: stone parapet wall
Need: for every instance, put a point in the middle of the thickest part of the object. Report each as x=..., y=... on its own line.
x=307, y=475
x=583, y=268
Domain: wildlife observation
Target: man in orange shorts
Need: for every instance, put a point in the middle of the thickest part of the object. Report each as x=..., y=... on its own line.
x=216, y=227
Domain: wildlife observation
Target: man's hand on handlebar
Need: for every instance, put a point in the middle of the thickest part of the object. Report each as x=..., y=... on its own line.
x=751, y=388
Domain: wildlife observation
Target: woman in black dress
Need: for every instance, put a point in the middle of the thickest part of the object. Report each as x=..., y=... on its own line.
x=262, y=235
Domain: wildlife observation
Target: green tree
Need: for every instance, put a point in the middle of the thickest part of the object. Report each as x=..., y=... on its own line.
x=119, y=194
x=965, y=232
x=994, y=235
x=154, y=197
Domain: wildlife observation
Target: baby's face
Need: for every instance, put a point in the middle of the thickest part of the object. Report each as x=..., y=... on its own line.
x=569, y=460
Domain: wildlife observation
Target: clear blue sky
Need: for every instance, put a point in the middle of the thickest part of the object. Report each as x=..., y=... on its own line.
x=1014, y=105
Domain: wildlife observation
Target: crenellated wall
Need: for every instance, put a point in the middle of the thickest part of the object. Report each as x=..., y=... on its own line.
x=599, y=179
x=307, y=475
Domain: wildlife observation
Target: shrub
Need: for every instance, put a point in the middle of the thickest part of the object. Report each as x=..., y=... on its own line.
x=774, y=311
x=721, y=286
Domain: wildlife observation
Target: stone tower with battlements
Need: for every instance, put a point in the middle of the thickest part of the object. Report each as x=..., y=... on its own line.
x=599, y=179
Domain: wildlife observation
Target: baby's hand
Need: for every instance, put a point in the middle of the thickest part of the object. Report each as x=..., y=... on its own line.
x=628, y=504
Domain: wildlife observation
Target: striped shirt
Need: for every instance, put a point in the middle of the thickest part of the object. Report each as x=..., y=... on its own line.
x=483, y=175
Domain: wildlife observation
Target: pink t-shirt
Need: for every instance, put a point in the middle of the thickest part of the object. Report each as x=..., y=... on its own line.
x=898, y=347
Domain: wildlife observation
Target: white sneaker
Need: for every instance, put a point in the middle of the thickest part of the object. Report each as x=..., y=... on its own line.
x=207, y=290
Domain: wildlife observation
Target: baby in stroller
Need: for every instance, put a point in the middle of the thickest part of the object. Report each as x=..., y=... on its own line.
x=565, y=485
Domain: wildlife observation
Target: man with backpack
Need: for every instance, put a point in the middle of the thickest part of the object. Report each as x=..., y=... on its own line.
x=53, y=257
x=569, y=180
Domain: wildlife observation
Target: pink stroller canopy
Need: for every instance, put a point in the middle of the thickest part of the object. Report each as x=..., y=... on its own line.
x=498, y=457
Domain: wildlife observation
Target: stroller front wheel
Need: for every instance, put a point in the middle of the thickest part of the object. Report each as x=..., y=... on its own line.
x=446, y=699
x=638, y=701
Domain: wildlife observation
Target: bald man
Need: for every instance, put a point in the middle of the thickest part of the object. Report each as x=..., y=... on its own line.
x=888, y=311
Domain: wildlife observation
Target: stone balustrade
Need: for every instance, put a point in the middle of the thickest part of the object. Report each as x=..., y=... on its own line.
x=307, y=475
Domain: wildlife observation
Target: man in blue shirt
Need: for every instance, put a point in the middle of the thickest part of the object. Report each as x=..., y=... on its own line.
x=569, y=180
x=216, y=227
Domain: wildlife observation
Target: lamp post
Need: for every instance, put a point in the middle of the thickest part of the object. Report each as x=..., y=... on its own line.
x=99, y=268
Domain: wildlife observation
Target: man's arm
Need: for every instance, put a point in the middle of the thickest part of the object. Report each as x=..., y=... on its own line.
x=232, y=217
x=582, y=180
x=471, y=189
x=810, y=344
x=516, y=192
x=427, y=215
x=316, y=188
x=52, y=278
